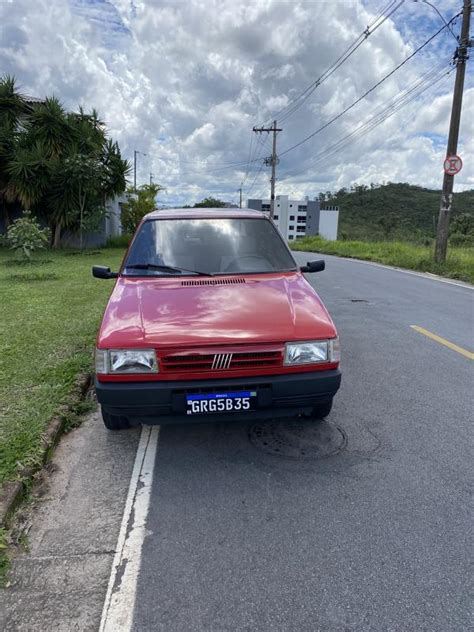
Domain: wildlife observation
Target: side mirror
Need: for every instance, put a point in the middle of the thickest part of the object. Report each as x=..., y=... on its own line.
x=101, y=272
x=314, y=266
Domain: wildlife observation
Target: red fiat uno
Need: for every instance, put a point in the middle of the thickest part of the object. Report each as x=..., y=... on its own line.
x=212, y=319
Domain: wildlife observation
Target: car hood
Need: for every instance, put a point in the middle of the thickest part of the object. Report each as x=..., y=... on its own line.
x=164, y=312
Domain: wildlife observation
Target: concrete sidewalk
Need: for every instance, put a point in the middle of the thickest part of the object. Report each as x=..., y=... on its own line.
x=60, y=583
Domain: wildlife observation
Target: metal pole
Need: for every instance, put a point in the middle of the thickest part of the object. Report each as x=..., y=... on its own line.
x=448, y=180
x=135, y=169
x=240, y=190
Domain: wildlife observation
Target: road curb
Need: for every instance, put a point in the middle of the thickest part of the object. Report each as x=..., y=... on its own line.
x=12, y=492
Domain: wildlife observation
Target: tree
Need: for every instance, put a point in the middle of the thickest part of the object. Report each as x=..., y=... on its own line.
x=139, y=202
x=75, y=183
x=13, y=108
x=210, y=202
x=61, y=164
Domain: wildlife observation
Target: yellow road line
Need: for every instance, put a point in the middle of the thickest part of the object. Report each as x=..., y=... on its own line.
x=443, y=341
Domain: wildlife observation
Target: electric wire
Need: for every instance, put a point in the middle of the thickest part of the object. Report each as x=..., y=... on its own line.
x=374, y=87
x=376, y=120
x=298, y=101
x=409, y=95
x=254, y=181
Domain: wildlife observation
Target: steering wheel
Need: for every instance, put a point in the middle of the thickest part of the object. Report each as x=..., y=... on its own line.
x=251, y=258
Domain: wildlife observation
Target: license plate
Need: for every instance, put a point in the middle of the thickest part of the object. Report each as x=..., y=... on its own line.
x=210, y=403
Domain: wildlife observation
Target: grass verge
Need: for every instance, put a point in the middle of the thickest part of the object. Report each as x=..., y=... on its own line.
x=459, y=264
x=48, y=323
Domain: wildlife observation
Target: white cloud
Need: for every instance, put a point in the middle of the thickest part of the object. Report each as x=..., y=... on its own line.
x=186, y=81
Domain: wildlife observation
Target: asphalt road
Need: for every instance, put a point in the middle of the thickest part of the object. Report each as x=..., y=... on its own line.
x=375, y=537
x=363, y=523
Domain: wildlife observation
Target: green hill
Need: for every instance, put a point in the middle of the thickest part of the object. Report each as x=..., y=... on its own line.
x=398, y=211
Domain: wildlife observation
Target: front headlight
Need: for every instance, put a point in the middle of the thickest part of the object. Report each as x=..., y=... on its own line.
x=125, y=361
x=312, y=352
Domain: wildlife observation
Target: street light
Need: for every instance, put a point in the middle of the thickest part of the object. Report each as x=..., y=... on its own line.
x=135, y=153
x=441, y=16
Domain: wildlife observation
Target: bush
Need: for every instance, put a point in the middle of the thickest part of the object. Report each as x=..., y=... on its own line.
x=139, y=202
x=461, y=240
x=25, y=236
x=119, y=241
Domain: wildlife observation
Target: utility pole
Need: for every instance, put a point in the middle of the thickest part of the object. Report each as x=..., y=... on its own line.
x=240, y=191
x=461, y=56
x=135, y=152
x=272, y=161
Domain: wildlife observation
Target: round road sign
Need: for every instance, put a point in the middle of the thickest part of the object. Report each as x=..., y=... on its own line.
x=452, y=165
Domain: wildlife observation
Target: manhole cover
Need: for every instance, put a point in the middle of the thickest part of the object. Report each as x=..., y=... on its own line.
x=298, y=439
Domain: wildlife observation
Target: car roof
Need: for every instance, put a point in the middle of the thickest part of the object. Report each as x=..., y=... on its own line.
x=205, y=213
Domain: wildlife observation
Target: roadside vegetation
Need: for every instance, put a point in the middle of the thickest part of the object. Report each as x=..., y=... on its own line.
x=459, y=263
x=60, y=165
x=399, y=212
x=50, y=308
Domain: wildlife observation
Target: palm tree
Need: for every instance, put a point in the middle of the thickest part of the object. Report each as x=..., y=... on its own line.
x=116, y=170
x=13, y=110
x=45, y=139
x=29, y=172
x=60, y=164
x=51, y=126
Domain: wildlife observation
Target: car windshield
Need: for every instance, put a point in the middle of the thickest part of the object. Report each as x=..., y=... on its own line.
x=207, y=246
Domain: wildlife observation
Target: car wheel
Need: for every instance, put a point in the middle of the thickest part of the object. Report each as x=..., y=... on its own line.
x=114, y=422
x=322, y=410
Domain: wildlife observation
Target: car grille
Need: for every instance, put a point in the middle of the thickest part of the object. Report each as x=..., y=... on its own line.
x=220, y=361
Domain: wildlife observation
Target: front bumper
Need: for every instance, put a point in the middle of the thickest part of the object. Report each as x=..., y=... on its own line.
x=165, y=402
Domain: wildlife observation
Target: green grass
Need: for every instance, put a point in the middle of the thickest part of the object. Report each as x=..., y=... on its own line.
x=459, y=263
x=49, y=314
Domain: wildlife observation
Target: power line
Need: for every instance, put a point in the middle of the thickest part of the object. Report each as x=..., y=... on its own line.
x=248, y=164
x=254, y=180
x=260, y=148
x=374, y=122
x=298, y=101
x=203, y=162
x=418, y=87
x=403, y=99
x=374, y=87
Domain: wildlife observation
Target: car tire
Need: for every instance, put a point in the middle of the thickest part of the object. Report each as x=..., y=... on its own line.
x=114, y=422
x=322, y=410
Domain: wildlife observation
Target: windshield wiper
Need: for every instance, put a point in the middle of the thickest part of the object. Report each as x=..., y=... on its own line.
x=163, y=268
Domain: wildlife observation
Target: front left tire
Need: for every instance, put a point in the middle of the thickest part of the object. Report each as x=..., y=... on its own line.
x=114, y=422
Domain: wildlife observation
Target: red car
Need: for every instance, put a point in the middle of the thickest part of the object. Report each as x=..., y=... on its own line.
x=212, y=319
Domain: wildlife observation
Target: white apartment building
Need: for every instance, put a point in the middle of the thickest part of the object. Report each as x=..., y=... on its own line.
x=297, y=218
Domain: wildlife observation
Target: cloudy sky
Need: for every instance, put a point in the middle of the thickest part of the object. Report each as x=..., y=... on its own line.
x=185, y=81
